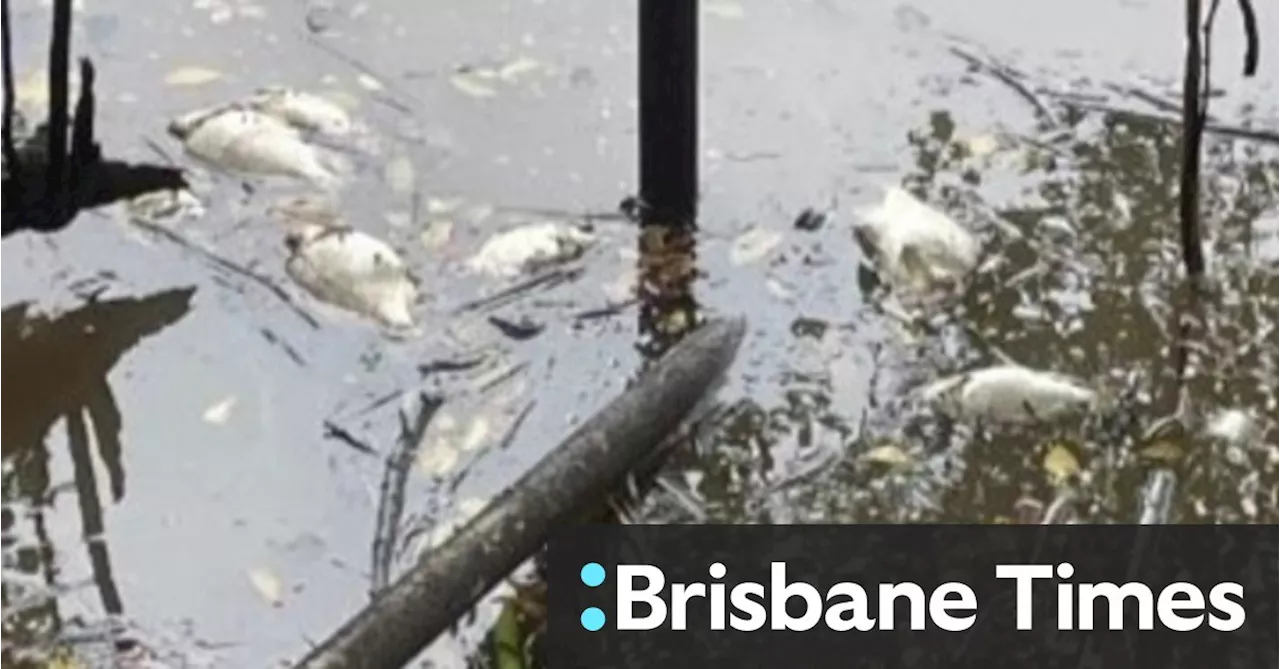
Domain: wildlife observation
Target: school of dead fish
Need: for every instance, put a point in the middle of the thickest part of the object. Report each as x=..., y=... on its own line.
x=273, y=133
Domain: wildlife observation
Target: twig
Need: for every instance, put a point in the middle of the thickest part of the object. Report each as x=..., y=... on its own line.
x=334, y=431
x=552, y=277
x=391, y=494
x=6, y=132
x=233, y=267
x=358, y=64
x=1234, y=132
x=56, y=152
x=1002, y=75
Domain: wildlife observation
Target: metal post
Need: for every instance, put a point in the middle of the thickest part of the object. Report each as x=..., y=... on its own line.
x=669, y=110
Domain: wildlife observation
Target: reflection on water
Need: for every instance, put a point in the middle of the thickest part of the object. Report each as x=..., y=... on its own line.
x=1083, y=281
x=57, y=370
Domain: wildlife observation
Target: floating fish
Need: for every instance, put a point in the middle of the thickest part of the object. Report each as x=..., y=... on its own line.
x=305, y=111
x=247, y=141
x=531, y=247
x=1233, y=426
x=915, y=245
x=1010, y=393
x=352, y=270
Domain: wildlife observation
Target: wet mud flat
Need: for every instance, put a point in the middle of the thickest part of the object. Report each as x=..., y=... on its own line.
x=191, y=465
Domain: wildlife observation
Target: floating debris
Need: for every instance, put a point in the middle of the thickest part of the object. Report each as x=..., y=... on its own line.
x=1010, y=393
x=164, y=206
x=399, y=175
x=267, y=584
x=1060, y=464
x=247, y=141
x=352, y=270
x=810, y=221
x=890, y=455
x=519, y=330
x=753, y=245
x=1233, y=426
x=530, y=248
x=437, y=234
x=218, y=413
x=915, y=245
x=192, y=76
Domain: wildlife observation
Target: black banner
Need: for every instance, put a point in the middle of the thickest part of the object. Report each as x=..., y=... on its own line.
x=913, y=596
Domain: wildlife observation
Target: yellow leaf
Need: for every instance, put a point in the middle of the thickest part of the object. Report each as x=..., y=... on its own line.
x=1060, y=464
x=888, y=454
x=267, y=584
x=1162, y=450
x=192, y=76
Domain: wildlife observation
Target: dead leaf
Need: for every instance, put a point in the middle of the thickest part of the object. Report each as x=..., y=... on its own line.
x=1162, y=450
x=753, y=245
x=471, y=85
x=476, y=435
x=192, y=76
x=369, y=83
x=888, y=454
x=1060, y=464
x=437, y=234
x=220, y=411
x=267, y=584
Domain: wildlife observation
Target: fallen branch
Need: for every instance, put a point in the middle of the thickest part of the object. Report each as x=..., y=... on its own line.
x=564, y=487
x=1004, y=76
x=391, y=493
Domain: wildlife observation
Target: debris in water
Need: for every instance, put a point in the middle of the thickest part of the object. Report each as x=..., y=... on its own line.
x=753, y=245
x=437, y=234
x=352, y=270
x=369, y=83
x=915, y=245
x=1060, y=464
x=247, y=141
x=469, y=83
x=267, y=584
x=520, y=330
x=1010, y=393
x=218, y=413
x=531, y=247
x=164, y=206
x=476, y=435
x=192, y=76
x=1233, y=426
x=887, y=454
x=810, y=220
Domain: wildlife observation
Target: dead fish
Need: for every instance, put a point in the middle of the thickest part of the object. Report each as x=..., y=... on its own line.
x=531, y=247
x=915, y=245
x=1232, y=426
x=352, y=270
x=1010, y=393
x=247, y=141
x=305, y=111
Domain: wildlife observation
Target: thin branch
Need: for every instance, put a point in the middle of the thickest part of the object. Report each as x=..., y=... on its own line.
x=6, y=133
x=1250, y=21
x=1192, y=134
x=59, y=63
x=391, y=493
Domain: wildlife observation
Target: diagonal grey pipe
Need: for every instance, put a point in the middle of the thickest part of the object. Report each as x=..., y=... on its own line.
x=570, y=482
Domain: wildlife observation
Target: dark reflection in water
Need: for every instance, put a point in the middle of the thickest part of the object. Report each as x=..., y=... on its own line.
x=1084, y=279
x=58, y=369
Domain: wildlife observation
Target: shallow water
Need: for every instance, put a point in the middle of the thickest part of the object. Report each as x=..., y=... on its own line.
x=153, y=514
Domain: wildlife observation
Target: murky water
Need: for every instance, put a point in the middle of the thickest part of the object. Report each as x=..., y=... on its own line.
x=165, y=459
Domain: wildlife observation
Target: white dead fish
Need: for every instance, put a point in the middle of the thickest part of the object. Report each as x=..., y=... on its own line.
x=1233, y=426
x=302, y=110
x=531, y=247
x=352, y=270
x=243, y=140
x=1010, y=393
x=914, y=244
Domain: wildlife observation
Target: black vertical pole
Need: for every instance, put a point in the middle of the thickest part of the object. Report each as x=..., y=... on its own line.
x=669, y=110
